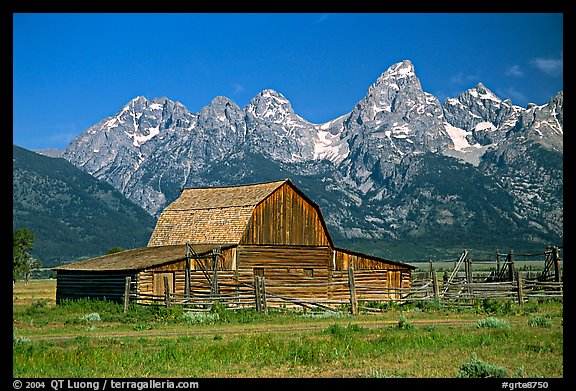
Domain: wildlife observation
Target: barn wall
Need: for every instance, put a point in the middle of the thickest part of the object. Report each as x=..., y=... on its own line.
x=91, y=284
x=369, y=275
x=286, y=265
x=286, y=218
x=371, y=284
x=150, y=281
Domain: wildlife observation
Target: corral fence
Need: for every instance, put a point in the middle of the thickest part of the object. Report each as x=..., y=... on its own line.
x=461, y=286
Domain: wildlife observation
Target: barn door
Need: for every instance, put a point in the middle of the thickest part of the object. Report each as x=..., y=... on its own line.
x=393, y=277
x=159, y=283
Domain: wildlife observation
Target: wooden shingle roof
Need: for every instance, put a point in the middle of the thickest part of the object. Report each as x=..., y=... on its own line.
x=136, y=259
x=210, y=215
x=224, y=197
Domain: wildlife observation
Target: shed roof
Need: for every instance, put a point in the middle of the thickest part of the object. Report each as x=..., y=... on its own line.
x=375, y=258
x=137, y=259
x=210, y=215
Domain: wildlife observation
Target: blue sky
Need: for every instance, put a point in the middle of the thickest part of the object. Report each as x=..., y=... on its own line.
x=72, y=70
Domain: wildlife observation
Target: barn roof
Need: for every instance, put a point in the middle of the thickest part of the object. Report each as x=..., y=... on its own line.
x=224, y=197
x=375, y=258
x=214, y=214
x=137, y=259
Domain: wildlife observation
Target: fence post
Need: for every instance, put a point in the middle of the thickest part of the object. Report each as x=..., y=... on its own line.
x=511, y=266
x=166, y=291
x=264, y=305
x=215, y=255
x=352, y=286
x=257, y=292
x=127, y=293
x=187, y=272
x=468, y=273
x=556, y=260
x=519, y=285
x=435, y=286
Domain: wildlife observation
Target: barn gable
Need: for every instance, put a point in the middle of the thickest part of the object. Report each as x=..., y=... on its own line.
x=287, y=217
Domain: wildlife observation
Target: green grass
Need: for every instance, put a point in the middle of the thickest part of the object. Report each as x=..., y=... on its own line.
x=539, y=321
x=416, y=352
x=475, y=368
x=91, y=338
x=492, y=322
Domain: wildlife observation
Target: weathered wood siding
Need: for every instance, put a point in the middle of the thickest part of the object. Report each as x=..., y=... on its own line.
x=286, y=265
x=371, y=284
x=150, y=281
x=371, y=276
x=283, y=259
x=286, y=218
x=107, y=285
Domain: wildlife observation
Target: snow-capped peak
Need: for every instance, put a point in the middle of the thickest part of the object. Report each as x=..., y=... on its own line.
x=275, y=96
x=272, y=106
x=138, y=99
x=399, y=70
x=271, y=99
x=481, y=92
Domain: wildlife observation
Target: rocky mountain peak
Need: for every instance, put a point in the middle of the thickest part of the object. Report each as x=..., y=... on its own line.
x=397, y=78
x=138, y=101
x=400, y=70
x=542, y=124
x=398, y=90
x=222, y=122
x=221, y=100
x=482, y=115
x=396, y=118
x=483, y=93
x=271, y=106
x=274, y=129
x=221, y=108
x=557, y=106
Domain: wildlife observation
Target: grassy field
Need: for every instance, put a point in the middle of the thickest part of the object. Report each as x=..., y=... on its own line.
x=96, y=339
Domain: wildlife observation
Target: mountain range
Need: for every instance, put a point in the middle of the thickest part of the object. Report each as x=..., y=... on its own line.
x=400, y=172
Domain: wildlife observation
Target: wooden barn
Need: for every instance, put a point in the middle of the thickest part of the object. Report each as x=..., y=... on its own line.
x=222, y=237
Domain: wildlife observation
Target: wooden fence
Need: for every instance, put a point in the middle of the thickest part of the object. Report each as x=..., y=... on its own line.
x=352, y=295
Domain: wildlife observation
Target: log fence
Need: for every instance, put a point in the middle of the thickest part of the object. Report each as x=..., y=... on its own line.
x=353, y=292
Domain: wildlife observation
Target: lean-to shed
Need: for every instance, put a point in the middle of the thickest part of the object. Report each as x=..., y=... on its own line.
x=104, y=277
x=268, y=229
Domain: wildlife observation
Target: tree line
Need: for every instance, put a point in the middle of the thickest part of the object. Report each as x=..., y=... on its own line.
x=23, y=263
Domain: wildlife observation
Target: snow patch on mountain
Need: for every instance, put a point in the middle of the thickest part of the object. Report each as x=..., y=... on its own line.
x=458, y=136
x=328, y=146
x=486, y=126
